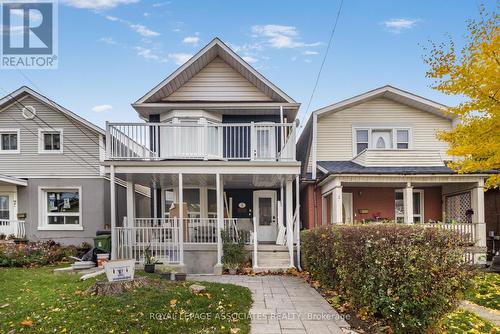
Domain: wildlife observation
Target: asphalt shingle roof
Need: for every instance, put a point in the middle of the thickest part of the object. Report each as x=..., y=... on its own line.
x=349, y=167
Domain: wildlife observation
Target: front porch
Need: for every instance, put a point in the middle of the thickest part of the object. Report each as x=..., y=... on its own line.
x=454, y=202
x=259, y=208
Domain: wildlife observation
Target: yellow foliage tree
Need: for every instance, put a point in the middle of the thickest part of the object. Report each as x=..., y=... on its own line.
x=472, y=72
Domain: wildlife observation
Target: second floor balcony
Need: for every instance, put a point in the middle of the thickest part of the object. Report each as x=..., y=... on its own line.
x=194, y=141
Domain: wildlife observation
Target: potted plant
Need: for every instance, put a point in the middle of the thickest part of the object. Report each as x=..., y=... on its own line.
x=232, y=267
x=180, y=276
x=167, y=273
x=233, y=250
x=149, y=261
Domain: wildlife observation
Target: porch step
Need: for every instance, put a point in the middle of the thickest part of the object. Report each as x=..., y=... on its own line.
x=273, y=257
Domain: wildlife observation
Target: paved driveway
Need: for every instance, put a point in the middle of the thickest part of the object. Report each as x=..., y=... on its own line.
x=284, y=304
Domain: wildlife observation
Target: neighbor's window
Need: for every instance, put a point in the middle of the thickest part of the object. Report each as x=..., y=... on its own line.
x=402, y=139
x=9, y=141
x=169, y=200
x=62, y=208
x=361, y=140
x=212, y=203
x=51, y=141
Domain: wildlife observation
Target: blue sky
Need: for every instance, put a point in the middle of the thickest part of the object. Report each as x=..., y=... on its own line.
x=111, y=52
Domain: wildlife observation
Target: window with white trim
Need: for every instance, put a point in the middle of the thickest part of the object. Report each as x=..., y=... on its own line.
x=361, y=140
x=9, y=140
x=50, y=141
x=402, y=139
x=60, y=208
x=385, y=138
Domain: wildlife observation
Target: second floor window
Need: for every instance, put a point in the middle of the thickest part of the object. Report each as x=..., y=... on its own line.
x=9, y=141
x=381, y=139
x=50, y=141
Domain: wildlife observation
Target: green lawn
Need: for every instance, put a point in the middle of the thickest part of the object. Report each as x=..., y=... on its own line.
x=37, y=301
x=486, y=291
x=462, y=321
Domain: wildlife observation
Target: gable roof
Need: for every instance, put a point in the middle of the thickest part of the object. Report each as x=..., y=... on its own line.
x=194, y=65
x=23, y=91
x=392, y=93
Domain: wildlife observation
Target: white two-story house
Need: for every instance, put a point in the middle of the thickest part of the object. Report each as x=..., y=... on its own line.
x=217, y=148
x=376, y=157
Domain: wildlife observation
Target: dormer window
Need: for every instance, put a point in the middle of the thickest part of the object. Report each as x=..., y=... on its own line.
x=380, y=138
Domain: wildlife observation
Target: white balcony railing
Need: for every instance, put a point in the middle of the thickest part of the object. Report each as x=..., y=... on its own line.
x=14, y=228
x=242, y=141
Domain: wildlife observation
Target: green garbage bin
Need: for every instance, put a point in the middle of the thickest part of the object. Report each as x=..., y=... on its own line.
x=103, y=242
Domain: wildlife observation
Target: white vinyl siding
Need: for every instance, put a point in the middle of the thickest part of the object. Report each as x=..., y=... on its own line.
x=335, y=130
x=81, y=149
x=218, y=81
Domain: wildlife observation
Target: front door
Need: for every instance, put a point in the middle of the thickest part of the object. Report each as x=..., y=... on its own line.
x=264, y=205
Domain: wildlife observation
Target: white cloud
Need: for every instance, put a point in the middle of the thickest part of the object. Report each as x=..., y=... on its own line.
x=250, y=59
x=399, y=25
x=180, y=58
x=102, y=108
x=149, y=54
x=143, y=31
x=310, y=53
x=108, y=40
x=97, y=4
x=161, y=4
x=192, y=40
x=112, y=18
x=280, y=36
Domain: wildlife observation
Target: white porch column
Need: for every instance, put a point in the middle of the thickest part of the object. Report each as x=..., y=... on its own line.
x=408, y=203
x=181, y=220
x=220, y=223
x=297, y=231
x=337, y=204
x=289, y=219
x=130, y=203
x=112, y=196
x=478, y=215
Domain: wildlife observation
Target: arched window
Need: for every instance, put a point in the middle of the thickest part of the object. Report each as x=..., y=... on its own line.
x=380, y=142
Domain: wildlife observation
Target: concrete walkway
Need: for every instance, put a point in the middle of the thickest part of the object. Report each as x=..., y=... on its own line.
x=485, y=313
x=285, y=305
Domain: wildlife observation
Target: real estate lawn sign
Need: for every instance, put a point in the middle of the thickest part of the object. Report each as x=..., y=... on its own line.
x=120, y=270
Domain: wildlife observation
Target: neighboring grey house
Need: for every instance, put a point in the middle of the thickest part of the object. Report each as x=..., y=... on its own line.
x=51, y=183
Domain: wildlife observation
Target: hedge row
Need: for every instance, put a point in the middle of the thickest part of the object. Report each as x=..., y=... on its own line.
x=35, y=254
x=407, y=277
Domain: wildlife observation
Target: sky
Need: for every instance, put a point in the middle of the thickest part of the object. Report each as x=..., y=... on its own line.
x=112, y=52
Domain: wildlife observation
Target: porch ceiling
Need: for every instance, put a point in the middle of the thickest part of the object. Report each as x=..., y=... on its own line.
x=230, y=181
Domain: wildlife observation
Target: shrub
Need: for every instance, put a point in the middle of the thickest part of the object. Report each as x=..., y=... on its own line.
x=34, y=254
x=233, y=250
x=407, y=277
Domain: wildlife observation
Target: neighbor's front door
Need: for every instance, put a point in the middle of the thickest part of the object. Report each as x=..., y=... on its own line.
x=264, y=206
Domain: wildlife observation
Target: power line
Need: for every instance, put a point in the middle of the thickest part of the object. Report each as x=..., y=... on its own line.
x=324, y=59
x=57, y=107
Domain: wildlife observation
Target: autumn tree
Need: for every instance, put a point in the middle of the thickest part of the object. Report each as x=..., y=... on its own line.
x=474, y=73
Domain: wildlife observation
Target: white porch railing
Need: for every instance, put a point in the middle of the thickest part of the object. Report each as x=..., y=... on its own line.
x=162, y=236
x=466, y=230
x=13, y=227
x=208, y=141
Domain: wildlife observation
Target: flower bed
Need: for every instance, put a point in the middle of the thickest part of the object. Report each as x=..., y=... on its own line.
x=406, y=277
x=34, y=254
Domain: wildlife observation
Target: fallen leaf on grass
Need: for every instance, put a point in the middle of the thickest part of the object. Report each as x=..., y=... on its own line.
x=27, y=323
x=234, y=330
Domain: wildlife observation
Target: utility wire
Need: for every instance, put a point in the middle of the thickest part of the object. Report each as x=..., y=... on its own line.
x=324, y=60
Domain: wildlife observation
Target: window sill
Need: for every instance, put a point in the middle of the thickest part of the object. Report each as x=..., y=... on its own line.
x=60, y=228
x=50, y=152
